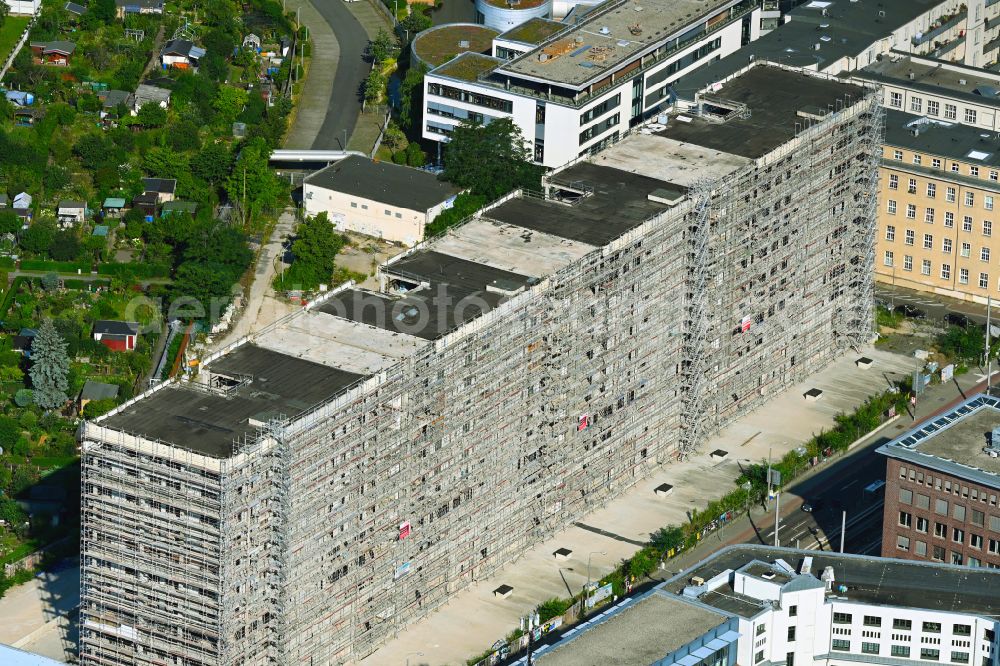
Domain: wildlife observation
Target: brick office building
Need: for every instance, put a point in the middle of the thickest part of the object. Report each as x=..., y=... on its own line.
x=942, y=488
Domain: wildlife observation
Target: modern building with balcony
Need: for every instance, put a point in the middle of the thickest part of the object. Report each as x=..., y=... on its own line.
x=573, y=89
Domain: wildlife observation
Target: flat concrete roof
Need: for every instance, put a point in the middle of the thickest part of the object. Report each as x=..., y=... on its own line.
x=774, y=97
x=848, y=28
x=210, y=422
x=619, y=203
x=511, y=247
x=935, y=76
x=953, y=442
x=610, y=35
x=873, y=580
x=951, y=140
x=643, y=633
x=670, y=160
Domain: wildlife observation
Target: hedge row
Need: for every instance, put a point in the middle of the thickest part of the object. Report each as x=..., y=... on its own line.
x=55, y=266
x=135, y=270
x=8, y=298
x=7, y=262
x=671, y=540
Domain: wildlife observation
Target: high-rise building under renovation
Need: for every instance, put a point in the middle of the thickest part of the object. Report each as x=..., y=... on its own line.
x=314, y=488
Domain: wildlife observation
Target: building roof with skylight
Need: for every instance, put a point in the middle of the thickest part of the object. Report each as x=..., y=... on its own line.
x=950, y=140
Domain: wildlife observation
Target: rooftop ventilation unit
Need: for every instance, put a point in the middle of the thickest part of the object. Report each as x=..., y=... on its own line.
x=962, y=82
x=828, y=578
x=605, y=30
x=993, y=446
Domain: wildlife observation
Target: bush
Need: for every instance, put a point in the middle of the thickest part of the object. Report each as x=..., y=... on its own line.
x=134, y=270
x=55, y=266
x=24, y=397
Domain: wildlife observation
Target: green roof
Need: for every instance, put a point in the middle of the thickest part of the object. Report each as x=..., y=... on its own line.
x=100, y=230
x=179, y=207
x=114, y=202
x=468, y=66
x=533, y=31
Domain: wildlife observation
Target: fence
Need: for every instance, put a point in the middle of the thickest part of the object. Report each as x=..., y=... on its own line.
x=32, y=560
x=381, y=133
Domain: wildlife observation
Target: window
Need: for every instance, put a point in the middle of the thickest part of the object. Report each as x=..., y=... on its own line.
x=840, y=645
x=931, y=190
x=966, y=223
x=902, y=542
x=920, y=549
x=928, y=242
x=760, y=629
x=994, y=175
x=978, y=518
x=966, y=249
x=941, y=507
x=922, y=524
x=793, y=611
x=970, y=116
x=961, y=629
x=916, y=159
x=900, y=651
x=929, y=654
x=929, y=215
x=364, y=206
x=388, y=212
x=924, y=501
x=903, y=625
x=976, y=541
x=994, y=520
x=963, y=276
x=873, y=621
x=925, y=266
x=916, y=104
x=399, y=215
x=933, y=108
x=984, y=254
x=938, y=554
x=869, y=648
x=949, y=220
x=949, y=194
x=984, y=280
x=911, y=211
x=600, y=109
x=354, y=204
x=897, y=155
x=905, y=520
x=988, y=202
x=994, y=547
x=842, y=618
x=905, y=497
x=789, y=659
x=935, y=163
x=759, y=657
x=946, y=245
x=970, y=198
x=974, y=171
x=890, y=206
x=932, y=627
x=911, y=186
x=945, y=271
x=888, y=259
x=791, y=634
x=954, y=167
x=987, y=227
x=907, y=262
x=960, y=657
x=896, y=100
x=890, y=233
x=950, y=112
x=893, y=181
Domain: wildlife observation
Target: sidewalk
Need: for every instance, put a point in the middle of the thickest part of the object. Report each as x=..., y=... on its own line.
x=473, y=619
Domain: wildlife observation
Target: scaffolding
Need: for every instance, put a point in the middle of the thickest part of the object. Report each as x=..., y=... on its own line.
x=325, y=533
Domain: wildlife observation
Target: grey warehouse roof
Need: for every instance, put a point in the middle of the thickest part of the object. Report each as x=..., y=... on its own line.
x=391, y=184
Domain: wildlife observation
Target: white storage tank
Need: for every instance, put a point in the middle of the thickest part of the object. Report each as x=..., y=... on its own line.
x=503, y=15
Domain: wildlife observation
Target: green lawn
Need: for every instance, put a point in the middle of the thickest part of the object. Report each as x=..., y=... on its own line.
x=10, y=31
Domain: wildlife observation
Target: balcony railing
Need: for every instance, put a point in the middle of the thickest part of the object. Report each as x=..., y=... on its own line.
x=950, y=23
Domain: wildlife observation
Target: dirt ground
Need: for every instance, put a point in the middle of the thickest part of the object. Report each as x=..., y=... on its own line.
x=364, y=255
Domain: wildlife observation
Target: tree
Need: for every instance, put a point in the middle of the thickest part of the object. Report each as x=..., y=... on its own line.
x=39, y=236
x=382, y=47
x=102, y=11
x=152, y=115
x=508, y=167
x=252, y=185
x=229, y=102
x=417, y=21
x=49, y=367
x=212, y=163
x=65, y=246
x=10, y=223
x=315, y=250
x=24, y=397
x=374, y=85
x=4, y=10
x=183, y=136
x=50, y=281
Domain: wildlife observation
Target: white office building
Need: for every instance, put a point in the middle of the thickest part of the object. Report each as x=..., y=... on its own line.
x=573, y=89
x=758, y=605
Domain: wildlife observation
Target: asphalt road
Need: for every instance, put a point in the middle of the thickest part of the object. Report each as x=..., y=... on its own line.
x=936, y=307
x=345, y=99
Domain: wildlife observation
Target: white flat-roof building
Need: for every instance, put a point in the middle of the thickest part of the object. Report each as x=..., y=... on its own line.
x=377, y=199
x=756, y=605
x=573, y=89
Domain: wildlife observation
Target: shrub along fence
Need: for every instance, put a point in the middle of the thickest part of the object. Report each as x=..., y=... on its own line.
x=671, y=540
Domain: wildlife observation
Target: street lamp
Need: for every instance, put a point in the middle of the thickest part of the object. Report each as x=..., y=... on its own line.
x=587, y=595
x=413, y=654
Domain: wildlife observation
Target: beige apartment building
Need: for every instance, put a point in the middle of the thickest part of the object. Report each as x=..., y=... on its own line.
x=939, y=185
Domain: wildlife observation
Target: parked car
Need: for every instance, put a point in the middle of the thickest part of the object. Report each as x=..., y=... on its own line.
x=958, y=319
